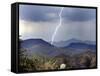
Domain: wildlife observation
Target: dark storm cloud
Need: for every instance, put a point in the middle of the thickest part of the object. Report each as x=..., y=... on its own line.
x=42, y=13
x=78, y=23
x=79, y=14
x=37, y=13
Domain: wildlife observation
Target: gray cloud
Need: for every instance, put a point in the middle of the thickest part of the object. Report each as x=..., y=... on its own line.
x=77, y=23
x=37, y=13
x=42, y=13
x=79, y=14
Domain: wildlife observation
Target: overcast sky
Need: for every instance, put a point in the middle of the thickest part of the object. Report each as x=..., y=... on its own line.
x=41, y=22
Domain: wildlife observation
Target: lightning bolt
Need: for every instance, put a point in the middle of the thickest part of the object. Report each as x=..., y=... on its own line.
x=57, y=27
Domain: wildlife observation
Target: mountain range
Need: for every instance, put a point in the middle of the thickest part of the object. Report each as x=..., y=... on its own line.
x=41, y=47
x=68, y=42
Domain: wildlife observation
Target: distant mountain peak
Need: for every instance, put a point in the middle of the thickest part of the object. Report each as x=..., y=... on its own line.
x=73, y=40
x=31, y=42
x=81, y=45
x=34, y=39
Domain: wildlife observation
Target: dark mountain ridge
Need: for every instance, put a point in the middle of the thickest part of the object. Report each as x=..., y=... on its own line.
x=31, y=42
x=68, y=42
x=81, y=46
x=41, y=47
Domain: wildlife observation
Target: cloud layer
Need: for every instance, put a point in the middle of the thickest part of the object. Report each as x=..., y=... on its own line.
x=47, y=13
x=77, y=23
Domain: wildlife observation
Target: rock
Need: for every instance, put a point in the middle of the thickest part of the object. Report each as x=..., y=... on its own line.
x=62, y=66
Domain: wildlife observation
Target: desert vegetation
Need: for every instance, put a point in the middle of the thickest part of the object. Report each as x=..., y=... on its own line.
x=39, y=62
